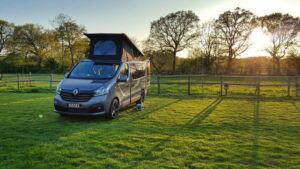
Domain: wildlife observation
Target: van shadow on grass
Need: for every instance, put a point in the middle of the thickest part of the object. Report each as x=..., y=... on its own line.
x=197, y=119
x=140, y=115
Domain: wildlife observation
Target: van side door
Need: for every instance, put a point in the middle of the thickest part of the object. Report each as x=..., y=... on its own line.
x=124, y=84
x=137, y=81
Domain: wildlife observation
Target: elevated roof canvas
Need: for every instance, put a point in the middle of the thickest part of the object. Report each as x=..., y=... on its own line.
x=122, y=36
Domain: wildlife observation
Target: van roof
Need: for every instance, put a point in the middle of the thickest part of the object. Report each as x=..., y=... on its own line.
x=112, y=61
x=115, y=35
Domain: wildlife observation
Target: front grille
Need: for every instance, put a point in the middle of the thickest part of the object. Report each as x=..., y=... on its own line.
x=80, y=97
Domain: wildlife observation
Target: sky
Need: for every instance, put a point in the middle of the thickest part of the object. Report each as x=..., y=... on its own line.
x=133, y=17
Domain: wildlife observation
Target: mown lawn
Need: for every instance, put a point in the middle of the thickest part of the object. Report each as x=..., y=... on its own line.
x=185, y=132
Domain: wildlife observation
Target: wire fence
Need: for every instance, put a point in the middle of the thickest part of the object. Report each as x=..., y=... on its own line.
x=29, y=82
x=197, y=85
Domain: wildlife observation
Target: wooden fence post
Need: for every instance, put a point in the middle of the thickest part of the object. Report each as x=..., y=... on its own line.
x=221, y=85
x=296, y=87
x=257, y=85
x=51, y=81
x=158, y=84
x=189, y=84
x=30, y=78
x=289, y=86
x=18, y=82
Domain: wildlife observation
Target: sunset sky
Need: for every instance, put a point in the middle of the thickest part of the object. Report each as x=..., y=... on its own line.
x=133, y=17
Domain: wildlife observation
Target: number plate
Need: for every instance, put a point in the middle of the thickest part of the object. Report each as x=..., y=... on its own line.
x=74, y=105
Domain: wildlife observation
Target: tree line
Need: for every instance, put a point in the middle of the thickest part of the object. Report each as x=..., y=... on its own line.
x=218, y=43
x=215, y=46
x=32, y=48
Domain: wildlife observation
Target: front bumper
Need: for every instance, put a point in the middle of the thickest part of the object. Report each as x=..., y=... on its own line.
x=97, y=105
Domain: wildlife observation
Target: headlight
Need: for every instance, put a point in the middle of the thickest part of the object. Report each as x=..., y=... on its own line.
x=58, y=88
x=101, y=91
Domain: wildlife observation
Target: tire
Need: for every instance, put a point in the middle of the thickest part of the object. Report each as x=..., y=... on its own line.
x=113, y=110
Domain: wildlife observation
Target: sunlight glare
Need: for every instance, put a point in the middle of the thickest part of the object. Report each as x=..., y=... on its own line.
x=259, y=41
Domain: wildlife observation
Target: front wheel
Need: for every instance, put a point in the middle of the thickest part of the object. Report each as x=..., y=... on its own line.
x=113, y=110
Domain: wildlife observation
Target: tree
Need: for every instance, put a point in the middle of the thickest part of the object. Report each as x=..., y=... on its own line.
x=136, y=42
x=196, y=55
x=34, y=41
x=159, y=59
x=51, y=65
x=68, y=33
x=6, y=31
x=234, y=29
x=174, y=32
x=293, y=59
x=81, y=47
x=209, y=45
x=58, y=24
x=283, y=30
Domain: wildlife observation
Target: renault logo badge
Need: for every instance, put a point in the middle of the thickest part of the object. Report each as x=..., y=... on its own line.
x=75, y=92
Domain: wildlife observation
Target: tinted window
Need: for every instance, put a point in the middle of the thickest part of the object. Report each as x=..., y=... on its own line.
x=92, y=70
x=137, y=70
x=124, y=70
x=105, y=48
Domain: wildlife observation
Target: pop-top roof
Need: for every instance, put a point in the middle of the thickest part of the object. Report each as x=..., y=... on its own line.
x=121, y=36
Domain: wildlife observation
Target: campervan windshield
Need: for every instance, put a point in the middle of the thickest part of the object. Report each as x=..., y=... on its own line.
x=93, y=70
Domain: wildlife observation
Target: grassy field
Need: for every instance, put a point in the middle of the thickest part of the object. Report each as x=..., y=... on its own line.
x=171, y=132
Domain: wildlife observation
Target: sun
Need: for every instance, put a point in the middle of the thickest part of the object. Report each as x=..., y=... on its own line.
x=258, y=42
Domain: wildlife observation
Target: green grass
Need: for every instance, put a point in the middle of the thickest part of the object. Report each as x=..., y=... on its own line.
x=181, y=132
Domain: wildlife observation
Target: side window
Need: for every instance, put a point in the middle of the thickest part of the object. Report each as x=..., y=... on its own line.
x=148, y=69
x=124, y=70
x=133, y=71
x=138, y=70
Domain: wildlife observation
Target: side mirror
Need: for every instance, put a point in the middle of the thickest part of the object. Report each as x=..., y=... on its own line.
x=67, y=74
x=123, y=78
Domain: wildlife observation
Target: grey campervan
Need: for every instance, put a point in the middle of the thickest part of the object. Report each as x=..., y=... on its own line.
x=111, y=78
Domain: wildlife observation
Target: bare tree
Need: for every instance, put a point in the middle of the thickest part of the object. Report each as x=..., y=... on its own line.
x=234, y=29
x=293, y=58
x=174, y=32
x=209, y=45
x=283, y=30
x=159, y=58
x=6, y=31
x=135, y=41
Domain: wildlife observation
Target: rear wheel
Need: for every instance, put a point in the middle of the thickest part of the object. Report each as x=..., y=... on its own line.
x=113, y=110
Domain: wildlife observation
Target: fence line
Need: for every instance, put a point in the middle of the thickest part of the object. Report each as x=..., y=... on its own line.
x=21, y=80
x=224, y=86
x=224, y=82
